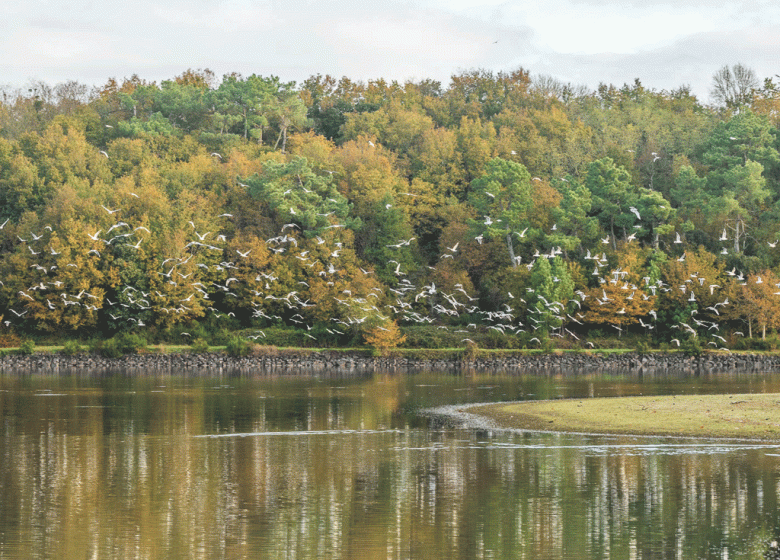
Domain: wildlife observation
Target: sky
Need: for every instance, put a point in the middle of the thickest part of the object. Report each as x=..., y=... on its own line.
x=666, y=44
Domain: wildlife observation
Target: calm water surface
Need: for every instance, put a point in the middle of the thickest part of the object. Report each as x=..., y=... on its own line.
x=241, y=467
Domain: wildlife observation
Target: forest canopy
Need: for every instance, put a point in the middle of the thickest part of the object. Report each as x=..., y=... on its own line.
x=501, y=203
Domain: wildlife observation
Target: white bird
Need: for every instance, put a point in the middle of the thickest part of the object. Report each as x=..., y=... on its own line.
x=111, y=211
x=5, y=222
x=104, y=153
x=635, y=212
x=677, y=239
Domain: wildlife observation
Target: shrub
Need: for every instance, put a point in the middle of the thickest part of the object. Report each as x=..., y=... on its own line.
x=130, y=343
x=27, y=347
x=199, y=346
x=692, y=346
x=237, y=346
x=642, y=346
x=108, y=348
x=470, y=352
x=71, y=348
x=381, y=338
x=9, y=340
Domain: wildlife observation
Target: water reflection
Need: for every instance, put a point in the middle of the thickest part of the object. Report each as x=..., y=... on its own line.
x=176, y=467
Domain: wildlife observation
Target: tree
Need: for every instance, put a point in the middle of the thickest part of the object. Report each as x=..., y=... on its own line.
x=245, y=104
x=289, y=112
x=734, y=87
x=760, y=301
x=613, y=195
x=296, y=195
x=503, y=197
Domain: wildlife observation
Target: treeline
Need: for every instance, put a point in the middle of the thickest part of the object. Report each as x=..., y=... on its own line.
x=503, y=202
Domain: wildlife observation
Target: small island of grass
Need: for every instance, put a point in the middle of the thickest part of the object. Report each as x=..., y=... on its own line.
x=751, y=416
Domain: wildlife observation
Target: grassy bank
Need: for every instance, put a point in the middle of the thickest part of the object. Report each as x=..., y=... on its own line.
x=753, y=416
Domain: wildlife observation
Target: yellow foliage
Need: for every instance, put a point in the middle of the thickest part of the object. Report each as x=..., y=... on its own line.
x=384, y=336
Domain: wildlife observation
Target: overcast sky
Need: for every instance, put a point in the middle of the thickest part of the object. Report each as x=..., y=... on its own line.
x=665, y=44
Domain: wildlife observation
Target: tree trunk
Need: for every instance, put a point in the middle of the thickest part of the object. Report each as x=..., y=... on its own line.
x=612, y=233
x=510, y=247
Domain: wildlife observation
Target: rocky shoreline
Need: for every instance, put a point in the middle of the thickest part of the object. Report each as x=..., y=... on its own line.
x=339, y=363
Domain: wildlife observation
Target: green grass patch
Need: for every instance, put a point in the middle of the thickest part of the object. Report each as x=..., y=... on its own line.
x=751, y=416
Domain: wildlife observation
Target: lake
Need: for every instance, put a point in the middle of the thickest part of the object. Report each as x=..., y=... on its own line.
x=120, y=466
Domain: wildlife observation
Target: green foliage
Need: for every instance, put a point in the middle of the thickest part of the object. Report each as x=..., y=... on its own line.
x=130, y=343
x=768, y=344
x=199, y=346
x=173, y=207
x=469, y=352
x=119, y=345
x=691, y=346
x=27, y=348
x=642, y=346
x=72, y=347
x=238, y=347
x=502, y=197
x=107, y=348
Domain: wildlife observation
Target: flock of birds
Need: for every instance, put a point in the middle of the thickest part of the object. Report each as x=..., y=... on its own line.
x=202, y=276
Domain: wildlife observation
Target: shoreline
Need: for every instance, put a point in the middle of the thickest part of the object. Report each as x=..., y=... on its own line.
x=339, y=362
x=752, y=416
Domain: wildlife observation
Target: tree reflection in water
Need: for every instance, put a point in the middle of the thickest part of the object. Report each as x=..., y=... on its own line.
x=175, y=467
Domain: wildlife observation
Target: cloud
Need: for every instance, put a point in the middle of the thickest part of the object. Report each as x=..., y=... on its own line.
x=666, y=44
x=688, y=61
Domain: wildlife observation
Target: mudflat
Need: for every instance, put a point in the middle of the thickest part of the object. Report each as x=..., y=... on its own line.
x=751, y=416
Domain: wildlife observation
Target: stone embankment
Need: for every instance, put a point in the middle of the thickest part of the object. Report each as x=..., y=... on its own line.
x=338, y=363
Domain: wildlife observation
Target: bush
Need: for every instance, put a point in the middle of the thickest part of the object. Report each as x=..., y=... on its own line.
x=238, y=347
x=9, y=340
x=382, y=337
x=71, y=348
x=692, y=346
x=470, y=352
x=108, y=348
x=118, y=345
x=547, y=345
x=27, y=348
x=642, y=347
x=199, y=346
x=130, y=343
x=757, y=344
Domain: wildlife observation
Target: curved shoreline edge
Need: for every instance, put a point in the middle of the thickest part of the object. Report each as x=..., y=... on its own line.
x=340, y=363
x=750, y=416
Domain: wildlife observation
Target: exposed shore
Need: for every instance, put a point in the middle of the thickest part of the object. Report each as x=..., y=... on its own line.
x=334, y=362
x=750, y=416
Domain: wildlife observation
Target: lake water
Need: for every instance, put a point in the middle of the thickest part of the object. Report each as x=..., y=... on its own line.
x=355, y=468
